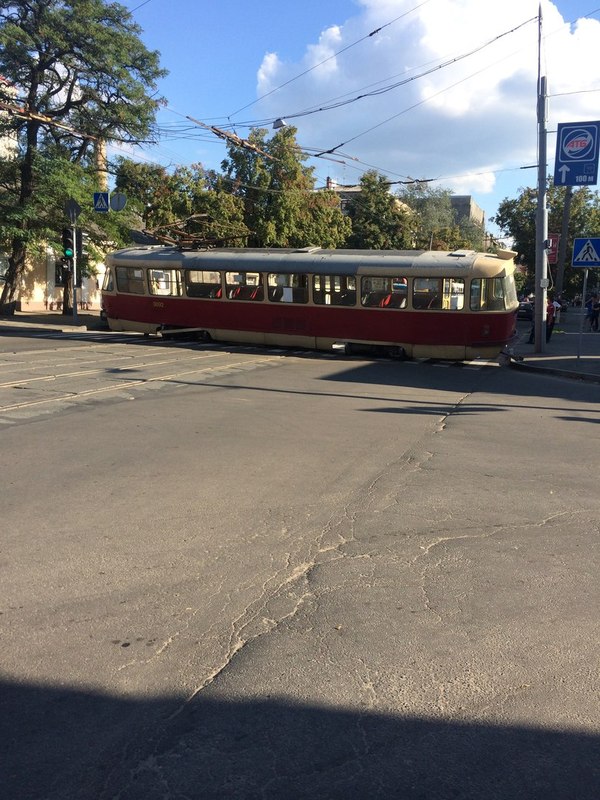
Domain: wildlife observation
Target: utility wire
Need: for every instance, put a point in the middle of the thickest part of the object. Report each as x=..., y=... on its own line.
x=385, y=89
x=325, y=60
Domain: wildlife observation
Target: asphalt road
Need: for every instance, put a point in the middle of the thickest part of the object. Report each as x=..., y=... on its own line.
x=233, y=573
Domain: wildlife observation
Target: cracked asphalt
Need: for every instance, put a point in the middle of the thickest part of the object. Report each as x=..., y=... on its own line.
x=300, y=577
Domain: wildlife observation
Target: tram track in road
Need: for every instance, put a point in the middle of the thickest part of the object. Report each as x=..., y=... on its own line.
x=121, y=380
x=58, y=378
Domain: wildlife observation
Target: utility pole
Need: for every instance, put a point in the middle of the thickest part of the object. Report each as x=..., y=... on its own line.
x=541, y=222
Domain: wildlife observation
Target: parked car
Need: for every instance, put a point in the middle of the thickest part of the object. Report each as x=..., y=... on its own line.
x=525, y=310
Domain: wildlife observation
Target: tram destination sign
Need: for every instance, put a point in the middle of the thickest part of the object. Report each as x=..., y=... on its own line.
x=576, y=154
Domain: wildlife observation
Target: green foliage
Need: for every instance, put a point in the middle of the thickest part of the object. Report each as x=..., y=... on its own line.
x=434, y=223
x=379, y=221
x=84, y=75
x=281, y=206
x=517, y=218
x=167, y=201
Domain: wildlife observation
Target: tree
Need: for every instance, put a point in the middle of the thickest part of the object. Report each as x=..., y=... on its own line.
x=434, y=222
x=281, y=206
x=187, y=202
x=379, y=222
x=77, y=73
x=517, y=218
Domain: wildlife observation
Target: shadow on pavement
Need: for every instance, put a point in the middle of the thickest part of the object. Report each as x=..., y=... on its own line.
x=63, y=743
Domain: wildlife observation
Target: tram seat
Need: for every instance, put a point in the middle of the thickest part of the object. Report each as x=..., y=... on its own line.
x=299, y=295
x=348, y=298
x=247, y=293
x=216, y=292
x=393, y=300
x=374, y=299
x=275, y=293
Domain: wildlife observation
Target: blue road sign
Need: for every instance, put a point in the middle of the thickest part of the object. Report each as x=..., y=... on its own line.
x=101, y=201
x=576, y=154
x=586, y=253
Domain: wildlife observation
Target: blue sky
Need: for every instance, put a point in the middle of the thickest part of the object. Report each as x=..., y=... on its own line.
x=468, y=125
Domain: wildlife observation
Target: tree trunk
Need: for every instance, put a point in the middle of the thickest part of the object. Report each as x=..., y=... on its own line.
x=17, y=258
x=67, y=305
x=14, y=274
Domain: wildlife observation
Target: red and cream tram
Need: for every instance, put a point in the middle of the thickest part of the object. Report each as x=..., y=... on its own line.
x=449, y=305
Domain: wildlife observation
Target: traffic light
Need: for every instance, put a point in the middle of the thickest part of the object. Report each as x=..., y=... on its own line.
x=68, y=244
x=62, y=270
x=81, y=248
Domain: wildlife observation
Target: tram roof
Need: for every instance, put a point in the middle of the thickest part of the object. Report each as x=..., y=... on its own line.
x=310, y=259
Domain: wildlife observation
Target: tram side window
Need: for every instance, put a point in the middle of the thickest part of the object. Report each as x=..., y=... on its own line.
x=244, y=285
x=130, y=279
x=334, y=290
x=165, y=282
x=487, y=294
x=287, y=288
x=203, y=283
x=379, y=292
x=427, y=293
x=441, y=294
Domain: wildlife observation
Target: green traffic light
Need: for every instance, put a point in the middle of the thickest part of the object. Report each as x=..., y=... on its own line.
x=68, y=252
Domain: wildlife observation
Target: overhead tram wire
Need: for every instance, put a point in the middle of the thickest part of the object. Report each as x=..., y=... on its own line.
x=383, y=90
x=416, y=105
x=325, y=60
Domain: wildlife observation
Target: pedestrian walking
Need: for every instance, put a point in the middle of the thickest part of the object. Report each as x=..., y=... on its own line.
x=550, y=318
x=595, y=313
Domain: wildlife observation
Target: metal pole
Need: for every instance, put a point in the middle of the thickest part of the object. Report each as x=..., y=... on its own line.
x=585, y=280
x=541, y=227
x=74, y=276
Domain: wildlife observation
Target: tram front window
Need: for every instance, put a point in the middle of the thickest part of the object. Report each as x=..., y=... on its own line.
x=492, y=294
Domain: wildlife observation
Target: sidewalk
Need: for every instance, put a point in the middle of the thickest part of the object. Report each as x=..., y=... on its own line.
x=567, y=353
x=53, y=320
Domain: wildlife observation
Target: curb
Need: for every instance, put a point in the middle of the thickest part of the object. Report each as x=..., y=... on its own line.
x=560, y=373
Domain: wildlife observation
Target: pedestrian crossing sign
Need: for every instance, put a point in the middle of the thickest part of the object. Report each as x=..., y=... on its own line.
x=101, y=201
x=586, y=253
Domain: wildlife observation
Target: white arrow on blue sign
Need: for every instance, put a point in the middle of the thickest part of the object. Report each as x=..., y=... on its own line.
x=586, y=253
x=576, y=154
x=101, y=201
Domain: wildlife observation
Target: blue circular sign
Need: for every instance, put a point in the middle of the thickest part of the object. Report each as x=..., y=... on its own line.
x=578, y=144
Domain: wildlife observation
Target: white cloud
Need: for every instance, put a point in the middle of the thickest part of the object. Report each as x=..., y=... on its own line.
x=474, y=117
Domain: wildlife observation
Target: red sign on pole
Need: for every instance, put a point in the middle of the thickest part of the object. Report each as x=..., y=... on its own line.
x=553, y=248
